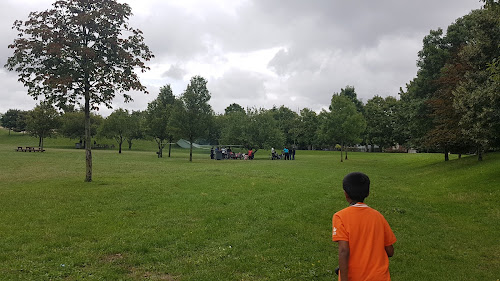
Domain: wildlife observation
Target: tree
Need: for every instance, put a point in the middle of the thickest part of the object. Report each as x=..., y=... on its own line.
x=233, y=108
x=494, y=69
x=10, y=119
x=343, y=124
x=262, y=130
x=287, y=122
x=350, y=93
x=415, y=109
x=234, y=128
x=380, y=115
x=307, y=128
x=117, y=126
x=192, y=116
x=42, y=121
x=446, y=134
x=73, y=125
x=158, y=119
x=78, y=51
x=476, y=97
x=137, y=120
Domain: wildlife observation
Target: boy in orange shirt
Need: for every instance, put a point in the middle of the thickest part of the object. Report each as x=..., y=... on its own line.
x=365, y=238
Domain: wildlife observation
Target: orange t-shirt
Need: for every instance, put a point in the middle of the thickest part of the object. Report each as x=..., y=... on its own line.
x=367, y=232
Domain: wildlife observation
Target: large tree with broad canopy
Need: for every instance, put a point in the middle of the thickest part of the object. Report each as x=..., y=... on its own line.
x=80, y=51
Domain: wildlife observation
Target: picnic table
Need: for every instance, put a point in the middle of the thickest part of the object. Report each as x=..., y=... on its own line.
x=30, y=149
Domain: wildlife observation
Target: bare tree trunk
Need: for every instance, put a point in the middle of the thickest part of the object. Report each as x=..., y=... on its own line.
x=169, y=148
x=479, y=154
x=190, y=150
x=346, y=154
x=341, y=150
x=160, y=148
x=446, y=156
x=88, y=149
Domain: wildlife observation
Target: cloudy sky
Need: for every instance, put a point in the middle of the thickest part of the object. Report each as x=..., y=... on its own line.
x=262, y=53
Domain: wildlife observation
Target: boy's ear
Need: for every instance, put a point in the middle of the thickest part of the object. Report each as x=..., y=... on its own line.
x=347, y=197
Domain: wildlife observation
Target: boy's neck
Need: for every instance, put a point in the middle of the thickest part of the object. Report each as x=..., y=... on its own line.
x=352, y=203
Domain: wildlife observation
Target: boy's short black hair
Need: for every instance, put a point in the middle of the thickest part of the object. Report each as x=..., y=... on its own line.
x=357, y=186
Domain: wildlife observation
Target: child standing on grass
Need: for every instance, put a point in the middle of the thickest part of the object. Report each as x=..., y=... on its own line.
x=364, y=237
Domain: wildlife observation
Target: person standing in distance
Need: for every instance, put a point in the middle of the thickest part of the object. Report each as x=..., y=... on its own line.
x=365, y=239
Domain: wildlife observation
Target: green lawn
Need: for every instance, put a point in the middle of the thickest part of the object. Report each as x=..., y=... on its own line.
x=144, y=218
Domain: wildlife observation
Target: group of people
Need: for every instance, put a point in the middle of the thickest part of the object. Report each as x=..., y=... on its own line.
x=287, y=154
x=227, y=153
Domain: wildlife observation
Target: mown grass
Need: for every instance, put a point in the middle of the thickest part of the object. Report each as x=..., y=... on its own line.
x=144, y=218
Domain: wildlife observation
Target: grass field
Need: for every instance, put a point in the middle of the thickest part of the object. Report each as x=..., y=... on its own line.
x=144, y=218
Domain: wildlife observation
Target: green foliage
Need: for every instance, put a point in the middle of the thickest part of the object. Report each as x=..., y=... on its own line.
x=416, y=111
x=263, y=130
x=307, y=129
x=234, y=128
x=73, y=125
x=494, y=69
x=234, y=108
x=287, y=121
x=476, y=97
x=452, y=104
x=117, y=126
x=255, y=129
x=42, y=121
x=192, y=116
x=14, y=119
x=350, y=93
x=137, y=123
x=76, y=49
x=159, y=118
x=343, y=123
x=380, y=115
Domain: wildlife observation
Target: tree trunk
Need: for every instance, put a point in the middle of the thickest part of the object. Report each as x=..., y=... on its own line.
x=129, y=144
x=346, y=154
x=160, y=148
x=460, y=156
x=120, y=147
x=479, y=154
x=169, y=148
x=190, y=150
x=88, y=149
x=341, y=151
x=40, y=141
x=446, y=156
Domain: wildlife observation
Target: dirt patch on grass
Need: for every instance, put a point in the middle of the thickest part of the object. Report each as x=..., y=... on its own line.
x=113, y=258
x=138, y=274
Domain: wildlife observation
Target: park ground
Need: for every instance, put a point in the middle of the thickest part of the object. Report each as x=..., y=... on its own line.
x=145, y=218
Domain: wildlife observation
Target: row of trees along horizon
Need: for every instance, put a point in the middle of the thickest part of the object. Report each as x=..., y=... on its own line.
x=451, y=106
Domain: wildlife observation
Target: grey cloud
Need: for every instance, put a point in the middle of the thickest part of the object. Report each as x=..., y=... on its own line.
x=243, y=87
x=324, y=45
x=175, y=72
